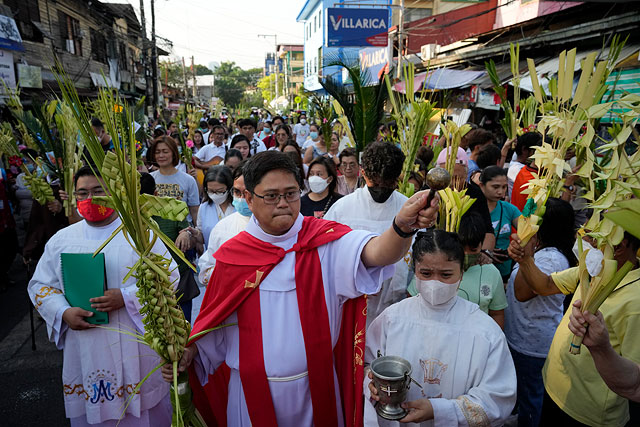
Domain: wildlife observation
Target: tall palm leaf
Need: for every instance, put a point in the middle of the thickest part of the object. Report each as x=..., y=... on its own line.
x=361, y=101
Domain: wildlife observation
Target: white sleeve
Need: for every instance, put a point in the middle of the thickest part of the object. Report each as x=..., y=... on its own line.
x=206, y=262
x=202, y=154
x=347, y=272
x=490, y=401
x=131, y=302
x=212, y=352
x=46, y=293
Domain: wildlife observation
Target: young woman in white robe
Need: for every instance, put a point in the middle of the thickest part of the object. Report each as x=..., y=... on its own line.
x=458, y=354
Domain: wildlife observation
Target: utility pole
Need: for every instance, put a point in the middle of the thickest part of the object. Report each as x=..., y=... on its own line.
x=400, y=40
x=154, y=60
x=275, y=39
x=184, y=77
x=145, y=65
x=193, y=71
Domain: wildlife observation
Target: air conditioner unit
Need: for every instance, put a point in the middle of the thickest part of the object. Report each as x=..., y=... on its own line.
x=429, y=51
x=71, y=47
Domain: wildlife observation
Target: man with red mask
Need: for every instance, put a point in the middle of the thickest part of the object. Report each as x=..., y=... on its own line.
x=101, y=366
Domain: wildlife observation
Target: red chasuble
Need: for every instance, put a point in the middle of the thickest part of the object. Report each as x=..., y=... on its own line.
x=241, y=265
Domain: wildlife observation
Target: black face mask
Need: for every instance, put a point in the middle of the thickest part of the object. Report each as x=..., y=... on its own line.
x=380, y=194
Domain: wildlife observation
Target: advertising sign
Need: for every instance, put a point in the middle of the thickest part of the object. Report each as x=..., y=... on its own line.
x=30, y=76
x=375, y=61
x=350, y=27
x=7, y=70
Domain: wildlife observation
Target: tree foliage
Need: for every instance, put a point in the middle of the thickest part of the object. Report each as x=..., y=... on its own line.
x=267, y=86
x=232, y=81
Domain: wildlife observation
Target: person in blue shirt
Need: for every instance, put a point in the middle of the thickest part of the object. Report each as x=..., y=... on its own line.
x=477, y=138
x=493, y=182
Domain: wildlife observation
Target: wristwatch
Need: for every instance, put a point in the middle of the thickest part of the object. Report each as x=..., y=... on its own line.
x=401, y=233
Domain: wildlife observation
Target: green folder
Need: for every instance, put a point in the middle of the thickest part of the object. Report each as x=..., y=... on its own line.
x=83, y=278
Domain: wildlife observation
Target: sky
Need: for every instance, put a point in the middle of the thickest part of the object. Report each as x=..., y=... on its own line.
x=217, y=31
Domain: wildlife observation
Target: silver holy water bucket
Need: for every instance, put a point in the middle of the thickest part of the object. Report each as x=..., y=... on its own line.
x=391, y=377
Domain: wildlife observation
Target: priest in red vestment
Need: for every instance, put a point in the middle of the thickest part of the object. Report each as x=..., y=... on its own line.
x=293, y=289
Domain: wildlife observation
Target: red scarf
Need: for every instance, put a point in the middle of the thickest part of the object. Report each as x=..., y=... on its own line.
x=241, y=265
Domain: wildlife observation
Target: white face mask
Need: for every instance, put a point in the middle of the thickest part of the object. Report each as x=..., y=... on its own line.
x=594, y=257
x=317, y=184
x=218, y=199
x=303, y=121
x=436, y=292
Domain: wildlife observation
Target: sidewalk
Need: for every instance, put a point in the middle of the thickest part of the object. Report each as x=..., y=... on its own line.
x=30, y=381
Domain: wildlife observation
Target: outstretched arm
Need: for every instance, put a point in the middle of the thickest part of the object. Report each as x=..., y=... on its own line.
x=390, y=247
x=529, y=274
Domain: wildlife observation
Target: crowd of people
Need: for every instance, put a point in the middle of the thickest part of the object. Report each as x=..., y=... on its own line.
x=484, y=322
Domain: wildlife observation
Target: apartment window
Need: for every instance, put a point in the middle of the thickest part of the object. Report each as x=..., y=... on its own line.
x=25, y=13
x=319, y=19
x=315, y=19
x=122, y=50
x=315, y=65
x=414, y=13
x=98, y=47
x=70, y=34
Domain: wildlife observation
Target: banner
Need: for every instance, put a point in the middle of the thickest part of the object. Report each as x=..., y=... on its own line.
x=350, y=27
x=7, y=71
x=374, y=60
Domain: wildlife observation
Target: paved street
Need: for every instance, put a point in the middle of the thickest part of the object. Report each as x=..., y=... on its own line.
x=30, y=381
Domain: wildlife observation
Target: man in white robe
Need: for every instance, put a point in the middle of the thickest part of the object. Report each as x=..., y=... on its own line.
x=351, y=266
x=101, y=366
x=459, y=356
x=360, y=211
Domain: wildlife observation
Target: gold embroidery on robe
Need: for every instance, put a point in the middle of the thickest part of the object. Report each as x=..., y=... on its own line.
x=44, y=292
x=248, y=284
x=76, y=389
x=474, y=413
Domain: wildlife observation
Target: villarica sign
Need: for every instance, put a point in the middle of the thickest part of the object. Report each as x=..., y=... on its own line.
x=350, y=27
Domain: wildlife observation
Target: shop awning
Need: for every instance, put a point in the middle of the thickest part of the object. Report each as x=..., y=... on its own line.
x=621, y=82
x=9, y=35
x=441, y=78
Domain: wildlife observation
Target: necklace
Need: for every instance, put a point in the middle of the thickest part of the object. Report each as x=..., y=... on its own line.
x=326, y=207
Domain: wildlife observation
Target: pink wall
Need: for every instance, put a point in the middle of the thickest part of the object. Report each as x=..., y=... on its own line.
x=520, y=11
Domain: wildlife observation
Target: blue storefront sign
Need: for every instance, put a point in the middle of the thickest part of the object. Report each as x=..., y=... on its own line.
x=350, y=27
x=375, y=61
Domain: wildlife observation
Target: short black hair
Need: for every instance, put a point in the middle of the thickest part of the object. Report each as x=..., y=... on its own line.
x=479, y=137
x=433, y=241
x=158, y=132
x=247, y=122
x=348, y=152
x=232, y=152
x=239, y=138
x=217, y=173
x=491, y=172
x=472, y=230
x=97, y=123
x=213, y=122
x=382, y=163
x=147, y=183
x=238, y=172
x=425, y=154
x=528, y=140
x=277, y=118
x=489, y=155
x=85, y=171
x=29, y=153
x=262, y=163
x=203, y=124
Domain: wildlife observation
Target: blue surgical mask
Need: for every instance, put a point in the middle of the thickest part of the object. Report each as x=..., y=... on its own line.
x=313, y=135
x=241, y=206
x=31, y=167
x=267, y=130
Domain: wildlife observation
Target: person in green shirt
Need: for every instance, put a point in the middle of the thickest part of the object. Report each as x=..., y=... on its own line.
x=575, y=392
x=481, y=284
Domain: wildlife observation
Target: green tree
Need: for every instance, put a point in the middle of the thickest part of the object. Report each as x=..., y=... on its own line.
x=202, y=70
x=267, y=86
x=232, y=81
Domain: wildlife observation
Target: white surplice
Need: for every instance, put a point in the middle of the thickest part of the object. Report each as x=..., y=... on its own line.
x=344, y=276
x=359, y=211
x=457, y=353
x=101, y=367
x=225, y=229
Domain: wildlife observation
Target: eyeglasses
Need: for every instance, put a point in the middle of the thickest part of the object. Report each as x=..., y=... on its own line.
x=84, y=194
x=349, y=165
x=274, y=198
